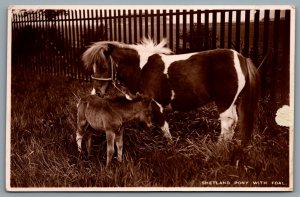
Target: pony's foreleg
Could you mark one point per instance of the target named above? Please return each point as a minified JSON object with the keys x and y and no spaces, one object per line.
{"x":159,"y":118}
{"x":229,"y":120}
{"x":110,"y":138}
{"x":119,"y":144}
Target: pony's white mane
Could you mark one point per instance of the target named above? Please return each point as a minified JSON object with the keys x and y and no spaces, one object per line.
{"x":147,"y":45}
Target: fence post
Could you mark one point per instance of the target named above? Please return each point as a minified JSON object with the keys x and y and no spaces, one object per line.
{"x":276,"y":68}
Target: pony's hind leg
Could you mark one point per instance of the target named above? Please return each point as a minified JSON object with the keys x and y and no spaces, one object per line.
{"x":119,"y":144}
{"x":110,"y":139}
{"x":229,"y":120}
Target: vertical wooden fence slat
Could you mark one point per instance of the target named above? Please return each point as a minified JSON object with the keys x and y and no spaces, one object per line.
{"x":152,"y":23}
{"x":171,"y":29}
{"x":91,"y":30}
{"x":55,"y":52}
{"x":238,"y":30}
{"x":115,"y":26}
{"x":63,"y":42}
{"x":276,"y":70}
{"x":100,"y":33}
{"x":229,"y":30}
{"x":158,"y":25}
{"x":177,"y":31}
{"x":19,"y":57}
{"x":141,"y":23}
{"x":124,"y":27}
{"x":95,"y":25}
{"x":119,"y":26}
{"x":24,"y":58}
{"x":14,"y":30}
{"x":191,"y":38}
{"x":247,"y":34}
{"x":106,"y":24}
{"x":164,"y":24}
{"x":256,"y":37}
{"x":265,"y":67}
{"x":28,"y":66}
{"x":214,"y":30}
{"x":199,"y":40}
{"x":35,"y":55}
{"x":77,"y":46}
{"x":266,"y":32}
{"x":73,"y":62}
{"x":206,"y":30}
{"x":129,"y":27}
{"x":275,"y":67}
{"x":135,"y":25}
{"x":70,"y":73}
{"x":58,"y":56}
{"x":81,"y":46}
{"x":63,"y":31}
{"x":285,"y":88}
{"x":32,"y":59}
{"x":222,"y":30}
{"x":85,"y":26}
{"x":48,"y":52}
{"x":110,"y":25}
{"x":146,"y":24}
{"x":42,"y":66}
{"x":184,"y":31}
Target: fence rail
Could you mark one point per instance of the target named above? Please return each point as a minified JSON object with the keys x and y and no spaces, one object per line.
{"x":52,"y":41}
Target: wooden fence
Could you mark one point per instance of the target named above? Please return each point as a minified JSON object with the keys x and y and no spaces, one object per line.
{"x":51,"y":41}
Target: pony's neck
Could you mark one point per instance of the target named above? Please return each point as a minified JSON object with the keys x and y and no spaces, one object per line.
{"x":129,"y":72}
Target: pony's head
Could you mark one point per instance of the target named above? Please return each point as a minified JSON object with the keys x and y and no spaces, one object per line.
{"x":98,"y":61}
{"x":110,"y":61}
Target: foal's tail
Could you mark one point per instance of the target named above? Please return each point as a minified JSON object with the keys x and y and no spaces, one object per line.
{"x":249,"y":101}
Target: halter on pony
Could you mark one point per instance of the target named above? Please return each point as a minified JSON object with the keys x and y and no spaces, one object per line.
{"x":112,"y":78}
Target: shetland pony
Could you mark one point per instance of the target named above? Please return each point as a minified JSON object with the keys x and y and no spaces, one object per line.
{"x":184,"y":82}
{"x":109,"y":115}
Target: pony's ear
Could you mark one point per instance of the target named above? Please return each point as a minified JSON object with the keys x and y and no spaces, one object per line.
{"x":108,"y":51}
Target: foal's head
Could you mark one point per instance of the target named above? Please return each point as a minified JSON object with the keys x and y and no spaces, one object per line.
{"x":142,"y":110}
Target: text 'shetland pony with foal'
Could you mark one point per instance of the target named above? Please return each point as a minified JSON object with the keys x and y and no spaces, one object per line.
{"x":182,"y":82}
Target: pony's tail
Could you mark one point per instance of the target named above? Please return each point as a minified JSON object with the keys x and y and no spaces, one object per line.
{"x":249,"y":101}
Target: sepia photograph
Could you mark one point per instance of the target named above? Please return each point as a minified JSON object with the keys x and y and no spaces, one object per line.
{"x":150,"y":98}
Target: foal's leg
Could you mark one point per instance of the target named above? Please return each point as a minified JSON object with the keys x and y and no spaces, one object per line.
{"x":229,"y":120}
{"x":119,"y":143}
{"x":159,"y":118}
{"x":81,"y":123}
{"x":110,"y":138}
{"x":81,"y":127}
{"x":89,"y":143}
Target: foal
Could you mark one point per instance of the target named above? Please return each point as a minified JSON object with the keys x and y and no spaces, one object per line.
{"x":108,"y":115}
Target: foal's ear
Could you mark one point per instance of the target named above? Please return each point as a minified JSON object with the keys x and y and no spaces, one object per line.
{"x":108,"y":51}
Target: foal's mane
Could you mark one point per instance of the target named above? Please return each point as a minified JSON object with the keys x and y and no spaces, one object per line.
{"x":95,"y":52}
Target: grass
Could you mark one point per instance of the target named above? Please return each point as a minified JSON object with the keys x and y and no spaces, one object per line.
{"x":44,"y":151}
